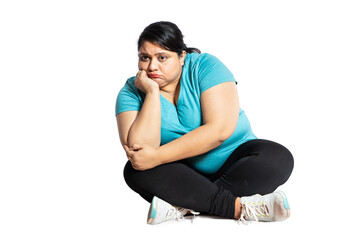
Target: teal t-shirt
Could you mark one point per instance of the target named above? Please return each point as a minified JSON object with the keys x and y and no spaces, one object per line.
{"x":200,"y":72}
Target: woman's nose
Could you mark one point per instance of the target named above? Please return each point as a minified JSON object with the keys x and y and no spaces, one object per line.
{"x":153,"y":65}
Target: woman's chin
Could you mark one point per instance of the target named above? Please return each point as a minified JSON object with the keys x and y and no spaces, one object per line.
{"x":159,"y":81}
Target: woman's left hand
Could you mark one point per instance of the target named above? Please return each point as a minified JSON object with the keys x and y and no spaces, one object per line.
{"x":142,"y":156}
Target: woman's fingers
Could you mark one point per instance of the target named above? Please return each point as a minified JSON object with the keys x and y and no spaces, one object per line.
{"x":128,"y":152}
{"x":136,"y":147}
{"x":126,"y":149}
{"x":129,"y":156}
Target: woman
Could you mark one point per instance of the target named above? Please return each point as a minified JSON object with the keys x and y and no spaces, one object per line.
{"x":188,"y":142}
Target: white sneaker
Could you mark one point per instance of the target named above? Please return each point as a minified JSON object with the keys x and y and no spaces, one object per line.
{"x":161,"y":211}
{"x":267,"y":208}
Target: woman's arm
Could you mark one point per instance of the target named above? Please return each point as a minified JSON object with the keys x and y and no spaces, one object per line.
{"x":194,"y":143}
{"x":147,"y":126}
{"x":220,"y":108}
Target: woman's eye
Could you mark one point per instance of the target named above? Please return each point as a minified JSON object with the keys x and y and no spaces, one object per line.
{"x":162,"y":58}
{"x":144,"y":58}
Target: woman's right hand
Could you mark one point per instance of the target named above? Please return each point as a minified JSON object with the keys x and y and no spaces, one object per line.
{"x":144,"y":83}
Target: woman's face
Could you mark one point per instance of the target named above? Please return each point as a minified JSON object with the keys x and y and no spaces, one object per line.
{"x":161,"y":65}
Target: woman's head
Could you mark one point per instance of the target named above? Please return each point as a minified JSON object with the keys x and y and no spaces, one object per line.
{"x":162,"y":52}
{"x":167,"y":35}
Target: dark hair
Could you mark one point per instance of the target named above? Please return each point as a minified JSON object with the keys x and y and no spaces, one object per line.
{"x":167,"y":35}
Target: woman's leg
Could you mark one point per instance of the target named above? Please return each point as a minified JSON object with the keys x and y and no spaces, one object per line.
{"x":255,"y":167}
{"x":180,"y":185}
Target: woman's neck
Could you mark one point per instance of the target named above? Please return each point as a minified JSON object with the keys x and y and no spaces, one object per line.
{"x":172,"y":94}
{"x":171,"y":89}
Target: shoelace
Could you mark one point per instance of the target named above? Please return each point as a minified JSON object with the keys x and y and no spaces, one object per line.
{"x":176,"y":213}
{"x":194,"y":214}
{"x":254,"y":210}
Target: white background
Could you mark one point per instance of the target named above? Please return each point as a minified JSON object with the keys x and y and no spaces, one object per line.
{"x":62,"y":64}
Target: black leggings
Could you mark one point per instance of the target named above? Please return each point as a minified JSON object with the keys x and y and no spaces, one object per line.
{"x":257,"y":166}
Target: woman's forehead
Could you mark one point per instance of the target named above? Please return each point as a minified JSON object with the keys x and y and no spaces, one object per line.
{"x":152,"y":48}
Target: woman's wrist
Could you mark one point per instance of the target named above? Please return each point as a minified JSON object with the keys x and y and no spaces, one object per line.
{"x":153,"y":90}
{"x":159,"y":156}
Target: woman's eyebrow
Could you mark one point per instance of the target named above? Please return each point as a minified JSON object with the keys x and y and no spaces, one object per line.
{"x":146,"y":54}
{"x":160,"y":53}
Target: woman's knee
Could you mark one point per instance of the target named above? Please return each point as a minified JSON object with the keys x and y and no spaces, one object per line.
{"x":277,"y":165}
{"x":287,"y":160}
{"x":274,"y":160}
{"x":284,"y":160}
{"x":136,"y":181}
{"x":129,"y":175}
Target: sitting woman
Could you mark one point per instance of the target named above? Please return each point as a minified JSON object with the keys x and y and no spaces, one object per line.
{"x":189,"y":144}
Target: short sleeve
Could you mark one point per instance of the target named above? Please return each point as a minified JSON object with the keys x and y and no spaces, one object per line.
{"x":211,"y":72}
{"x":129,"y":98}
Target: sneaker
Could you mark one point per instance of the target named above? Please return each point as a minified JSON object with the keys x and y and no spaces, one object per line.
{"x":161,"y":211}
{"x":267,"y":208}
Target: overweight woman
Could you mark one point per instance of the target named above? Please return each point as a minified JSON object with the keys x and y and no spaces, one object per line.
{"x":189,"y":144}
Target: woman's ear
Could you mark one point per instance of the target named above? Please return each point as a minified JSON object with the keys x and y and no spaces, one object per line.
{"x":182,"y":57}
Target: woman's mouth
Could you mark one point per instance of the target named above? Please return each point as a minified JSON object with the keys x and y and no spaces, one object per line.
{"x":153,"y":76}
